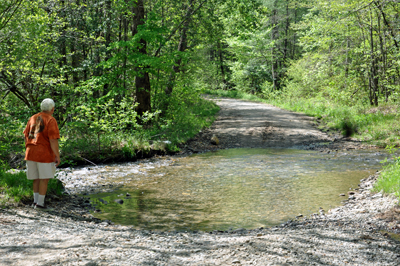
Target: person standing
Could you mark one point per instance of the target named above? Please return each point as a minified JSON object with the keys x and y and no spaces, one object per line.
{"x":42,"y":152}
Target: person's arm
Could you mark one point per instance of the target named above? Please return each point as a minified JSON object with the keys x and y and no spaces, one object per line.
{"x":54,"y":147}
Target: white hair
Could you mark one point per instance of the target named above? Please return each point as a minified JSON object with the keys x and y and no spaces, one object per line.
{"x":47,"y":104}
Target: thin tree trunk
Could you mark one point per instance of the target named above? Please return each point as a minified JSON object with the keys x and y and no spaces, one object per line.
{"x":273,"y":61}
{"x":221,"y":62}
{"x":181,"y":48}
{"x":373,"y":72}
{"x":294,"y":34}
{"x":107,"y":14}
{"x":63,"y":46}
{"x":125,"y":28}
{"x":75,"y":51}
{"x":286,"y":42}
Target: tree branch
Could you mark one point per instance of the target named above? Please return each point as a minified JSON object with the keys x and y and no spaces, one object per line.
{"x":387,"y":23}
{"x":3,"y":24}
{"x":13,"y":88}
{"x":178,"y":27}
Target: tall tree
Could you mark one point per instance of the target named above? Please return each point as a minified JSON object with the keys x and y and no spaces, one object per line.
{"x":142,"y":80}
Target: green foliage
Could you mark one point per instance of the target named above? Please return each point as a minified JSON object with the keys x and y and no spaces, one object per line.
{"x":28,"y":56}
{"x":114,"y":140}
{"x":389,"y":178}
{"x":347,"y":59}
{"x":187,"y":114}
{"x":12,"y":124}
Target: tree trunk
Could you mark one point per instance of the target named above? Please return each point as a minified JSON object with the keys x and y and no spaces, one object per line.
{"x":273,"y":60}
{"x":142,"y":80}
{"x":221,"y":62}
{"x":286,"y":42}
{"x":63,"y":46}
{"x":181,"y":48}
{"x":107,"y":11}
{"x":373,"y":81}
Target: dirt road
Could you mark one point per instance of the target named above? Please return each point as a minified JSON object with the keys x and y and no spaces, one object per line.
{"x":245,"y":124}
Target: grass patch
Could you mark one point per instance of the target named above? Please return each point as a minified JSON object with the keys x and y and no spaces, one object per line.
{"x":15,"y":186}
{"x":389,"y":179}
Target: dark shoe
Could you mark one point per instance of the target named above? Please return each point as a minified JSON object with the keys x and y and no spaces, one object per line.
{"x":43,"y":208}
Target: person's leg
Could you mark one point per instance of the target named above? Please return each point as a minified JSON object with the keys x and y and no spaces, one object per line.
{"x":46,"y":172}
{"x":36,"y":183}
{"x":42,"y":191}
{"x":32,"y":173}
{"x":43,"y":186}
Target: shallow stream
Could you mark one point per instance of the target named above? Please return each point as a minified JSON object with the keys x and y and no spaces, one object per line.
{"x":229,"y":189}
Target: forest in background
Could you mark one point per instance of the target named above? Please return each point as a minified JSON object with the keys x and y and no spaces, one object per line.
{"x":127,"y":75}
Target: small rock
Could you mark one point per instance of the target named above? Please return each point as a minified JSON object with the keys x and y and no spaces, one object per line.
{"x":379,"y":195}
{"x":103,"y":201}
{"x":236,"y":261}
{"x":196,"y":251}
{"x":214,"y":140}
{"x":119,"y":201}
{"x":240,"y":230}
